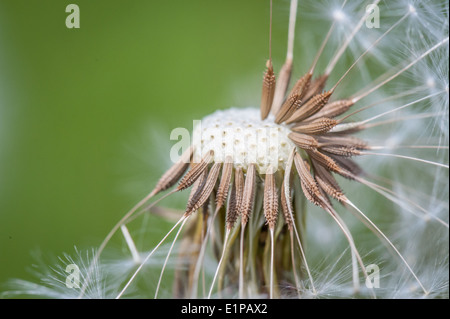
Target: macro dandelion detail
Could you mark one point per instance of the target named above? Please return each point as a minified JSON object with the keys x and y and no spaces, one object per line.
{"x":271,"y":189}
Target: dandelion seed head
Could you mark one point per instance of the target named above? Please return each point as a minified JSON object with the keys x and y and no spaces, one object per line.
{"x":241,"y":135}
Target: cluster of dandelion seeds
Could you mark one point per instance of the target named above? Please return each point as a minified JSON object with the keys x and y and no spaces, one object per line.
{"x":281,"y":197}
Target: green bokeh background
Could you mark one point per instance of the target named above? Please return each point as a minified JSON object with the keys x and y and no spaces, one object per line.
{"x":79,"y":108}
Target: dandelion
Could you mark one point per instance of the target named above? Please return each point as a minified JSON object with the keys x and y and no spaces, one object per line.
{"x":319,"y":146}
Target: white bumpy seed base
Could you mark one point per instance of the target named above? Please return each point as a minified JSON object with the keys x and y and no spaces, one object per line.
{"x":241,"y":136}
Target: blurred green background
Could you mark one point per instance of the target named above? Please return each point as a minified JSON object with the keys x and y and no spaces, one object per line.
{"x":85,"y":114}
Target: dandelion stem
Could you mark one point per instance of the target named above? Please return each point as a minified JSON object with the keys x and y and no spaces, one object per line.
{"x":130,"y":243}
{"x":270,"y":32}
{"x":108,"y":237}
{"x":388,"y":147}
{"x":324,"y":43}
{"x":287,"y":175}
{"x":182,"y":220}
{"x":167,"y":257}
{"x":406,"y":157}
{"x":362,"y":124}
{"x":286,"y":70}
{"x":291,"y":30}
{"x":379,"y":233}
{"x":344,"y":46}
{"x":271,"y":263}
{"x":294,"y":267}
{"x":234,"y":233}
{"x":376,"y":87}
{"x":350,"y":240}
{"x":225,"y":242}
{"x":400,"y":107}
{"x":241,"y":262}
{"x":322,"y":47}
{"x":389,"y":98}
{"x":415,"y":193}
{"x":202,"y":253}
{"x":375,"y":43}
{"x":405,"y":118}
{"x":399,"y":200}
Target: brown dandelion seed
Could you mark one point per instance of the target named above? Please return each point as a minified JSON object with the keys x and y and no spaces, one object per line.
{"x":174,"y":173}
{"x":207,"y":189}
{"x":294,"y":100}
{"x":235,"y":199}
{"x":327,"y":182}
{"x":232,"y":213}
{"x":324,"y":160}
{"x":319,"y":126}
{"x":349,"y":168}
{"x":338,"y":140}
{"x":248,"y":195}
{"x":316,"y":87}
{"x":292,"y":103}
{"x":268,"y":90}
{"x":282,"y":85}
{"x":303,"y":141}
{"x":309,"y":185}
{"x":302,"y":85}
{"x":333,"y":109}
{"x":310,"y":107}
{"x":310,"y":195}
{"x":224,"y":185}
{"x":346,"y":151}
{"x":196,"y":170}
{"x":196,"y":191}
{"x":286,"y":206}
{"x":270,"y":199}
